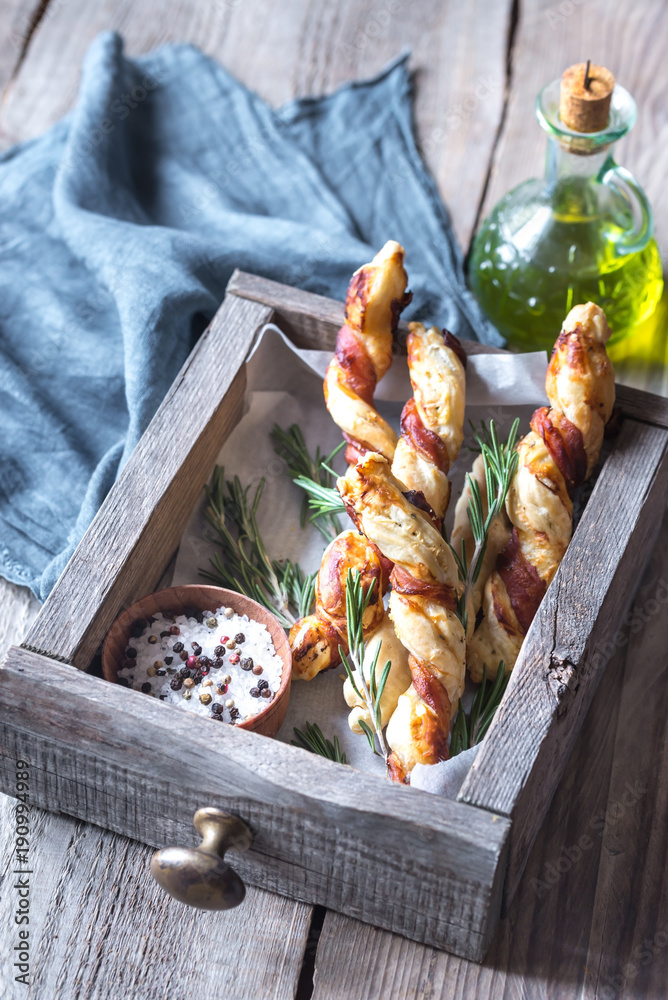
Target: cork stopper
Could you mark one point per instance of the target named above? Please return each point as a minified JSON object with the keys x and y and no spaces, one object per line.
{"x":586,"y":92}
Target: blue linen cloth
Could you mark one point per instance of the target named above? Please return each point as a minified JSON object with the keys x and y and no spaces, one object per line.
{"x":120,"y":228}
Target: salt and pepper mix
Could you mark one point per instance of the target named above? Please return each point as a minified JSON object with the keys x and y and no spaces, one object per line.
{"x":218,"y":664}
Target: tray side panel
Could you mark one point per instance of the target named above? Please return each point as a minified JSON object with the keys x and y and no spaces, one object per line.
{"x":570,"y":641}
{"x":425,"y":867}
{"x":134,"y":534}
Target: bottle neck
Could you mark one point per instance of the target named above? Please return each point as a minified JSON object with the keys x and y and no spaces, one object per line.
{"x":570,"y":177}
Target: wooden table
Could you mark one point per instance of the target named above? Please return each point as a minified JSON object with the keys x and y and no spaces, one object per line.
{"x":590,"y":919}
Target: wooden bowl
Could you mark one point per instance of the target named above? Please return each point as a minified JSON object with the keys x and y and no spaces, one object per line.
{"x":176,"y":599}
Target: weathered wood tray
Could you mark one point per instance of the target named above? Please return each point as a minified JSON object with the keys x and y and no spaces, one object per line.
{"x":434,"y":870}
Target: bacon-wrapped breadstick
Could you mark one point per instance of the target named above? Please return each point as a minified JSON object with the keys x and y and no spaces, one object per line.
{"x":425,"y":585}
{"x":315,"y":640}
{"x":376,"y":296}
{"x":557,"y":455}
{"x":432,"y":422}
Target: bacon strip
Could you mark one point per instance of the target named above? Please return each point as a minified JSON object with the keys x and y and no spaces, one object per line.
{"x":454,"y":344}
{"x":405,"y":583}
{"x":565,"y":443}
{"x":423,"y":440}
{"x":525,"y":587}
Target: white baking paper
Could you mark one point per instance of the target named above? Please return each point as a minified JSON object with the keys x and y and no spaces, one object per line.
{"x":284,"y":386}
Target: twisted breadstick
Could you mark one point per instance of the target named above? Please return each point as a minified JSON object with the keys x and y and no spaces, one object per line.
{"x":422,"y":603}
{"x":376,"y":296}
{"x":375,"y":299}
{"x":432,"y":429}
{"x":315,"y":640}
{"x":432,"y":422}
{"x":557,"y":455}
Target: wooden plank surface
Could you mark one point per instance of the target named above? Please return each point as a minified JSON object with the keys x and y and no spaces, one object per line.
{"x":545,"y":942}
{"x":306,"y":47}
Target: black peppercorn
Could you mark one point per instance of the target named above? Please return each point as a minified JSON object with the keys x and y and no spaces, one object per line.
{"x":216,"y":708}
{"x":197,"y":676}
{"x":262,"y":684}
{"x":177,"y":647}
{"x":176,"y":683}
{"x":246,"y":663}
{"x":196,"y":648}
{"x":184,"y":654}
{"x":240,"y":637}
{"x":234,"y":714}
{"x":131,"y":653}
{"x":169,"y":659}
{"x":204,"y":661}
{"x":218,"y":662}
{"x":146,"y":687}
{"x":123,"y":681}
{"x":254,"y":692}
{"x":163,"y":634}
{"x":174,"y":630}
{"x":219,"y":651}
{"x":161,"y":673}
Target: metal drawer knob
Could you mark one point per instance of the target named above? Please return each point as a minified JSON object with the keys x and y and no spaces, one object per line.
{"x":199,"y":876}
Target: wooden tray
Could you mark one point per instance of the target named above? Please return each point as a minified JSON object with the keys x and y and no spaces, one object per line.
{"x":435,"y":870}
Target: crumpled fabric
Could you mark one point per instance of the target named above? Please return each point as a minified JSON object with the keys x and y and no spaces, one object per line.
{"x":120,"y":227}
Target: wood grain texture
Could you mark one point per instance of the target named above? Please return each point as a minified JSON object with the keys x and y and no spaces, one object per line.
{"x":306,"y":47}
{"x":574,"y":632}
{"x":134,"y":534}
{"x":429,"y":868}
{"x":18,"y":20}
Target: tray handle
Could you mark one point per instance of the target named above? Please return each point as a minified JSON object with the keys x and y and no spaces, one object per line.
{"x":200,"y":876}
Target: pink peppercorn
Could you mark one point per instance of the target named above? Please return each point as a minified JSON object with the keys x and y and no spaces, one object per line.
{"x":192,"y":662}
{"x":224,"y":638}
{"x":234,"y":658}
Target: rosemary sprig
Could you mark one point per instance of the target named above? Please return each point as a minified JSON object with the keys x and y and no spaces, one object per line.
{"x":313,"y":740}
{"x":243,"y":563}
{"x":323,"y":501}
{"x":500,"y":462}
{"x":469,"y":730}
{"x":371,"y":693}
{"x":290,"y":445}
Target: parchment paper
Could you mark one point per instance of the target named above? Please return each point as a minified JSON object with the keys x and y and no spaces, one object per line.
{"x":285,"y":386}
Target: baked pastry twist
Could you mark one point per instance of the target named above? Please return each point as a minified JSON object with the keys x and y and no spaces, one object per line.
{"x":315,"y":639}
{"x":376,"y":296}
{"x":432,"y":422}
{"x":557,"y":455}
{"x":375,"y":299}
{"x":425,"y":586}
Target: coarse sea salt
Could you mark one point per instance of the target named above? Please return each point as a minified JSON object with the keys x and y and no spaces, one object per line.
{"x":257,"y":645}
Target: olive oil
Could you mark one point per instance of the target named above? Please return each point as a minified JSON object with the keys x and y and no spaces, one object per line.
{"x":582,"y":233}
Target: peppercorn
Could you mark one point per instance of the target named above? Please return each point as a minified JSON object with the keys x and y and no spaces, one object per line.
{"x":188,"y":682}
{"x":257,"y":669}
{"x":146,"y":687}
{"x":254,"y":692}
{"x":212,"y":622}
{"x":266,"y":693}
{"x":187,"y":694}
{"x":193,"y":663}
{"x":152,"y":639}
{"x":216,"y":708}
{"x":229,"y":703}
{"x":218,"y":662}
{"x":205,"y":661}
{"x":262,"y":684}
{"x":123,"y":681}
{"x":130,"y":653}
{"x":174,"y":630}
{"x":221,"y":689}
{"x":169,"y":660}
{"x":234,"y":714}
{"x":228,"y":612}
{"x":205,"y":698}
{"x":157,"y":664}
{"x":247,"y":663}
{"x":151,"y":672}
{"x":138,"y":627}
{"x":197,"y":676}
{"x":240,"y":637}
{"x":176,"y":683}
{"x":219,"y":651}
{"x":230,"y":644}
{"x":234,"y":658}
{"x":227,"y":679}
{"x":177,"y":647}
{"x":166,"y":633}
{"x":183,"y":654}
{"x":207,"y":682}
